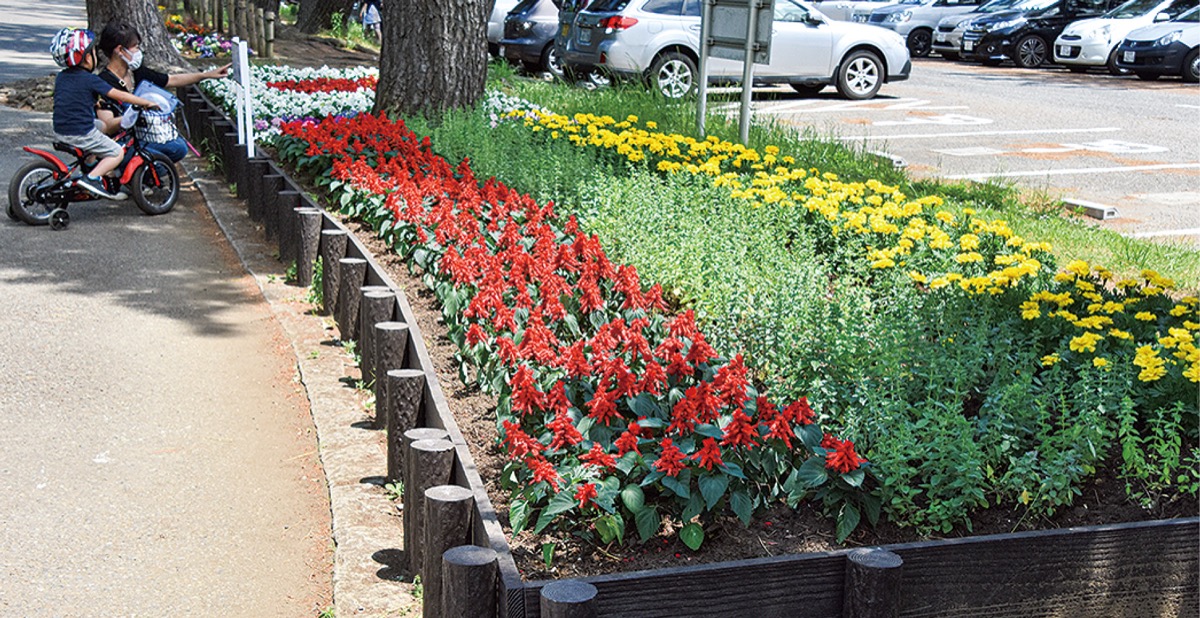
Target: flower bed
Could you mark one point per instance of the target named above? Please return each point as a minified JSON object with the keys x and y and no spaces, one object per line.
{"x":1031,"y":428}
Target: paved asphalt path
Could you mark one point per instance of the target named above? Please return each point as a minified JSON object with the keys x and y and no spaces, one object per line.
{"x":156,"y":456}
{"x":26,"y":27}
{"x":1116,"y":141}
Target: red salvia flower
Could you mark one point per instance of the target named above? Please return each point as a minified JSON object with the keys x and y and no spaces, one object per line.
{"x":525,"y":395}
{"x":475,"y":335}
{"x":709,"y":454}
{"x":800,"y":413}
{"x":841,"y":456}
{"x":628,"y":441}
{"x":603,"y":406}
{"x":597,"y":457}
{"x":731,"y":383}
{"x":776,"y":423}
{"x":740,"y":431}
{"x":585,"y":494}
{"x":564,"y":431}
{"x":518,"y":443}
{"x":542,"y":470}
{"x":670,"y":461}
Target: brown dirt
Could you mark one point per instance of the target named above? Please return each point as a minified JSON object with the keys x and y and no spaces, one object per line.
{"x":779,"y":531}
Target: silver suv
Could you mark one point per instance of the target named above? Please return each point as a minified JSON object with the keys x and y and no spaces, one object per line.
{"x":658,"y":40}
{"x":915,"y":20}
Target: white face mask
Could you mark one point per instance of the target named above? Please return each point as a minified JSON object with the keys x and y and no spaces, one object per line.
{"x":135,"y":60}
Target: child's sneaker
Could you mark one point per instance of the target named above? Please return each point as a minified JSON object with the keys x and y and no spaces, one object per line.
{"x":95,"y":187}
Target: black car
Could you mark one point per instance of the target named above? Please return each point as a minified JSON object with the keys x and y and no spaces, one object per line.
{"x":1166,"y":48}
{"x":1024,"y":35}
{"x":529,"y":31}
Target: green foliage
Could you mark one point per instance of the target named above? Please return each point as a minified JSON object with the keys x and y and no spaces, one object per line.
{"x":316,"y":290}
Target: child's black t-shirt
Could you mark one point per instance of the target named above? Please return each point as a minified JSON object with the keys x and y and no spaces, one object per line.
{"x":75,"y":93}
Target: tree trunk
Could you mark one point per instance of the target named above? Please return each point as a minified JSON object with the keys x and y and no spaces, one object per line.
{"x":434,"y":56}
{"x":160,"y":54}
{"x":314,"y":14}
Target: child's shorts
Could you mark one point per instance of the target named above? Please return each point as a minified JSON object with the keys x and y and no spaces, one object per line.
{"x":95,"y":143}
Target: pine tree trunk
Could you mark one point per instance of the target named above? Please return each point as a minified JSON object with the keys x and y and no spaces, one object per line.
{"x":314,"y":14}
{"x":434,"y":56}
{"x":160,"y":54}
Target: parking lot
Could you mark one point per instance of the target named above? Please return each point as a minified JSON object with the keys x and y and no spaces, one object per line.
{"x":1110,"y":141}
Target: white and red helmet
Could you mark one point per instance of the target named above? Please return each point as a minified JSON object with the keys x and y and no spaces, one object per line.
{"x":70,"y":46}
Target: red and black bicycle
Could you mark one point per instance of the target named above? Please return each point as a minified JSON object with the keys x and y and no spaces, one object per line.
{"x":41,"y":190}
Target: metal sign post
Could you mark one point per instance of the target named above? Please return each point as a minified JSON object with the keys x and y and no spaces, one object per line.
{"x":736,"y":30}
{"x":245,"y":105}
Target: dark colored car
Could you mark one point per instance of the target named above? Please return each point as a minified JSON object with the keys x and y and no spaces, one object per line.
{"x":1025,"y":36}
{"x":583,"y":66}
{"x":1166,"y":48}
{"x":529,"y":31}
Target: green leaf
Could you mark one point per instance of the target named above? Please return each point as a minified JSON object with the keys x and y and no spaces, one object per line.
{"x":518,"y":514}
{"x":712,"y":487}
{"x":611,"y":527}
{"x":810,"y":435}
{"x":548,"y":554}
{"x":562,"y":502}
{"x":644,"y":405}
{"x":742,"y":506}
{"x":694,"y":507}
{"x":733,"y":470}
{"x":710,"y":431}
{"x":692,"y":535}
{"x":648,"y":523}
{"x":626,"y":462}
{"x":633,"y":498}
{"x":812,"y":472}
{"x":871,"y":503}
{"x":677,"y":485}
{"x":847,"y":521}
{"x":854,"y":478}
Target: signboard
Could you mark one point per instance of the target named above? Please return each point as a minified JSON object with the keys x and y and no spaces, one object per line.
{"x":245,"y":102}
{"x":730,"y":22}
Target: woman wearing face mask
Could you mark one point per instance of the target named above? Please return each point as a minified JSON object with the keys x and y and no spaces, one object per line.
{"x":121,"y":43}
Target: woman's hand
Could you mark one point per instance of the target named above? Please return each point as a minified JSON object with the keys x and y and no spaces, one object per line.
{"x":218,"y":72}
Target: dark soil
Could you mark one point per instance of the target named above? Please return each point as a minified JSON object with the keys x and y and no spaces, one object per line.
{"x":779,"y":531}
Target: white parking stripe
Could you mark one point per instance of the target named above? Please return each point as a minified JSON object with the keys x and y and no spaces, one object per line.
{"x":1187,"y":106}
{"x":1081,"y":170}
{"x":1187,"y":232}
{"x":977,"y":133}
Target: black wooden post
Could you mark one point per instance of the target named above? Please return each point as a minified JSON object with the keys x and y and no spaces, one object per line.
{"x":309,"y":242}
{"x":568,"y":598}
{"x":400,"y":413}
{"x":428,"y":464}
{"x":285,"y":204}
{"x":256,"y":169}
{"x":391,"y":343}
{"x":333,"y":249}
{"x":469,"y":582}
{"x":872,"y":588}
{"x":229,"y":157}
{"x":353,"y":273}
{"x":267,"y":198}
{"x":378,"y":305}
{"x":447,"y":520}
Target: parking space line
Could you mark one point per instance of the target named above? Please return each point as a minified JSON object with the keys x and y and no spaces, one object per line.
{"x":1187,"y":106}
{"x":1079,"y":170}
{"x":977,"y":133}
{"x":1187,"y":232}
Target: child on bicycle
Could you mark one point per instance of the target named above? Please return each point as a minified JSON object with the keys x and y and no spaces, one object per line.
{"x":76,"y":91}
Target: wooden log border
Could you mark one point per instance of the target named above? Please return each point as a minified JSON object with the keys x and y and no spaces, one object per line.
{"x":1135,"y":569}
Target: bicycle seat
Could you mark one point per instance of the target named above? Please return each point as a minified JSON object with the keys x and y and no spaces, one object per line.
{"x":69,"y":149}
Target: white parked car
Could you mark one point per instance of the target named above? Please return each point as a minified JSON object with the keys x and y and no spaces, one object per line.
{"x":1093,"y":42}
{"x":844,"y":10}
{"x":659,"y":41}
{"x":915,"y":20}
{"x":1166,"y":48}
{"x":495,"y":25}
{"x":947,"y":37}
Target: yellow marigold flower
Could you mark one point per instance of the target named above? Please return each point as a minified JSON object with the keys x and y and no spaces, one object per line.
{"x":1168,"y":342}
{"x":1100,"y":362}
{"x":1030,"y":310}
{"x":1144,"y":316}
{"x":1190,"y":300}
{"x":944,"y":217}
{"x":1179,"y":310}
{"x":1192,"y":373}
{"x":1079,"y":267}
{"x":1050,"y":359}
{"x":1086,"y":286}
{"x":1181,"y":334}
{"x":968,"y":242}
{"x":1095,"y":322}
{"x":1188,"y":324}
{"x":938,"y":283}
{"x":1120,"y":334}
{"x":1153,"y":367}
{"x":918,"y":277}
{"x":883,"y":263}
{"x":969,"y":211}
{"x":650,"y":124}
{"x":1064,"y":278}
{"x":1085,"y":342}
{"x":968,"y":257}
